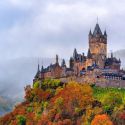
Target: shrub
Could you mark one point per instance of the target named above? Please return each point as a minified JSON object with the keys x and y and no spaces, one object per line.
{"x":59,"y":104}
{"x":21,"y":120}
{"x":41,"y":95}
{"x":110,"y":101}
{"x":44,"y":105}
{"x":30,"y":109}
{"x":36,"y":84}
{"x":51,"y":83}
{"x":29,"y":95}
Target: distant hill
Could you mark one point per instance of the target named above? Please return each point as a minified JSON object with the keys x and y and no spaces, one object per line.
{"x":6,"y":105}
{"x":14,"y":76}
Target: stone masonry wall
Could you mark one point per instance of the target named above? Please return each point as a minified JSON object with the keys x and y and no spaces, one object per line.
{"x":99,"y":82}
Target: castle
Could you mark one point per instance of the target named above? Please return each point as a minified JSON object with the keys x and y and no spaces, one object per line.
{"x":96,"y":60}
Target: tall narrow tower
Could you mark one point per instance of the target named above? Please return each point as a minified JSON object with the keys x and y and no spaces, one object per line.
{"x":98,"y":45}
{"x":57,"y":59}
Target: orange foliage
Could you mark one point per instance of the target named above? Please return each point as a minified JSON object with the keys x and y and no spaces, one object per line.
{"x":67,"y":107}
{"x":41,"y":95}
{"x":64,"y":122}
{"x":101,"y":120}
{"x":73,"y":96}
{"x":36,"y":94}
{"x":30,"y":115}
{"x":44,"y":120}
{"x":29,"y":123}
{"x":29,"y":95}
{"x":6,"y":119}
{"x":67,"y":122}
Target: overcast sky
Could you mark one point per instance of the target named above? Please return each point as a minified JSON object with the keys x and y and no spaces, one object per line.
{"x":44,"y":28}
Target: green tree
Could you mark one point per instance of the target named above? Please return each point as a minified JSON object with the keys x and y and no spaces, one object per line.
{"x":111,"y":100}
{"x":36,"y":84}
{"x":21,"y":120}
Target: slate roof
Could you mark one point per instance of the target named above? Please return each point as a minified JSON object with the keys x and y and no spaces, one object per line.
{"x":97,"y":30}
{"x":110,"y":61}
{"x":49,"y":68}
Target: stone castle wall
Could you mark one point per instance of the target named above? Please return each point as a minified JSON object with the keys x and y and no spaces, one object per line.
{"x":99,"y":82}
{"x":112,"y":83}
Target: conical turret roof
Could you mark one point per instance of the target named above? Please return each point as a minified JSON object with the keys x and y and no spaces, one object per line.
{"x":97,"y":30}
{"x":89,"y":55}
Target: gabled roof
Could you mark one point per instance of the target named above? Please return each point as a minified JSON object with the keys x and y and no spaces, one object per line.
{"x":50,"y":67}
{"x":110,"y":61}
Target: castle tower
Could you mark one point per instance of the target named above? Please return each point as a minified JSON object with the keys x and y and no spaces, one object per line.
{"x":71,"y":62}
{"x":98,"y":45}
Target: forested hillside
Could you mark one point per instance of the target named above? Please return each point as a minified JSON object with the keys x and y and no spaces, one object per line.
{"x":56,"y":103}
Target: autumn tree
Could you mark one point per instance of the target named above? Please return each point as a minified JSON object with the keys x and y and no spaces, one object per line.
{"x":101,"y":120}
{"x":72,"y":100}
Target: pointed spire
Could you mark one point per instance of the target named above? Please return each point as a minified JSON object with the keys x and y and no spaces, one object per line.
{"x":38,"y":68}
{"x":105,"y":34}
{"x":90,"y":33}
{"x":89,"y":55}
{"x":97,"y":30}
{"x":75,"y":53}
{"x":42,"y":68}
{"x":63,"y":63}
{"x":38,"y":72}
{"x":57,"y":59}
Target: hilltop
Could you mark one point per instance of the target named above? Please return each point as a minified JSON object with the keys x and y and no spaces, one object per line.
{"x":56,"y":103}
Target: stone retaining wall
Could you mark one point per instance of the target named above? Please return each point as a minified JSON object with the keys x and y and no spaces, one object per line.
{"x":102,"y":82}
